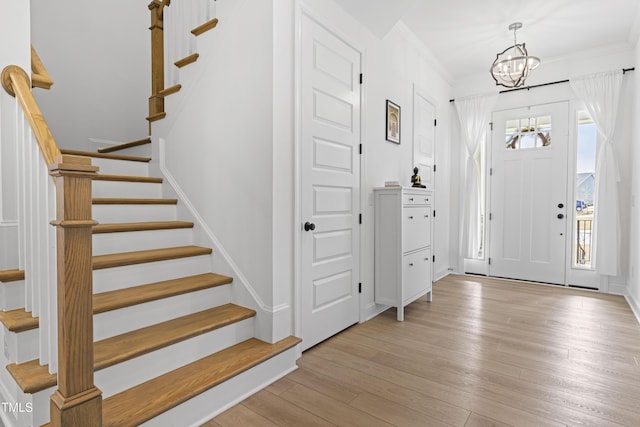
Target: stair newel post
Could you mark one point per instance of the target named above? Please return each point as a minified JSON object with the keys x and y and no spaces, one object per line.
{"x":156,"y":100}
{"x":77,"y":401}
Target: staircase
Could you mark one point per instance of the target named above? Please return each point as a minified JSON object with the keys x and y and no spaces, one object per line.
{"x":170,"y":348}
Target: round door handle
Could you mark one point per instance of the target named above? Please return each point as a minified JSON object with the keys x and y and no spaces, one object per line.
{"x":560,"y":216}
{"x":309,"y":226}
{"x":560,"y":205}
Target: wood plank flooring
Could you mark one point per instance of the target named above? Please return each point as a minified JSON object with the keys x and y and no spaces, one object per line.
{"x":485,"y":352}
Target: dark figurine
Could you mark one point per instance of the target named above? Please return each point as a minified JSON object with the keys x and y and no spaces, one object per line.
{"x":415,"y":179}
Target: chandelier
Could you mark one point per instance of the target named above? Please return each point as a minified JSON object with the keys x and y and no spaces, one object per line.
{"x":512,"y":66}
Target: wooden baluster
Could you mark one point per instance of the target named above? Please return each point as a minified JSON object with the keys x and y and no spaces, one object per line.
{"x":77,"y":401}
{"x":156,"y":100}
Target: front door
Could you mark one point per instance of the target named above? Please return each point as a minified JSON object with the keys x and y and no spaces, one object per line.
{"x":529,"y":204}
{"x":330,"y":183}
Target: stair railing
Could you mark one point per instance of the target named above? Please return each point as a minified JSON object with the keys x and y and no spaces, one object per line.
{"x":173,"y":38}
{"x":57,"y":260}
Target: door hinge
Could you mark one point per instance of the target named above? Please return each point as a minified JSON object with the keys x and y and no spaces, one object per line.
{"x":490,"y":216}
{"x":489,"y":260}
{"x":360,"y":288}
{"x":360,"y":148}
{"x":434,"y":258}
{"x":359,"y":218}
{"x":434,"y":213}
{"x":360,"y":78}
{"x":435,"y":122}
{"x":434,"y":168}
{"x":490,"y":171}
{"x":491,"y":125}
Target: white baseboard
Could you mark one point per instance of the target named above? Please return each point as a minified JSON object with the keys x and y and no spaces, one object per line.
{"x":634,"y":304}
{"x":617,"y":289}
{"x":441,"y":274}
{"x":374,"y":310}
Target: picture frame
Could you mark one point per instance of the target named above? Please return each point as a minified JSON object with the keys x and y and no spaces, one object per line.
{"x":392,"y":122}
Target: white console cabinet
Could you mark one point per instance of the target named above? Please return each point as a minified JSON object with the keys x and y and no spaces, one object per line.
{"x":402,"y":246}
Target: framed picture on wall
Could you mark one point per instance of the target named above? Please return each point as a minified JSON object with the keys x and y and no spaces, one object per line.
{"x":393,"y":122}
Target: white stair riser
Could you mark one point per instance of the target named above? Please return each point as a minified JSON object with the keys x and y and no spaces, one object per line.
{"x":12,"y":294}
{"x":107,"y":214}
{"x":125,"y":375}
{"x":20,"y":346}
{"x":203,"y":407}
{"x":127,"y":319}
{"x":121,"y":167}
{"x":126,"y":189}
{"x":109,"y":279}
{"x":25,"y":409}
{"x":108,"y":243}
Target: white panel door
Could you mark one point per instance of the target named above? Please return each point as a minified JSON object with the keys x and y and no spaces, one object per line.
{"x":424,"y":137}
{"x":529,"y":204}
{"x":330,"y":183}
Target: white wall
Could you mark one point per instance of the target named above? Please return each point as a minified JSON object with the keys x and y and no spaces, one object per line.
{"x":98,"y":56}
{"x":14,"y":50}
{"x":219,"y":139}
{"x":633,"y":282}
{"x":617,"y":57}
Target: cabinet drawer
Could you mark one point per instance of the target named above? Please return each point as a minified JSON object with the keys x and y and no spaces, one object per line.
{"x":416,"y":275}
{"x":409,"y":199}
{"x":416,"y":228}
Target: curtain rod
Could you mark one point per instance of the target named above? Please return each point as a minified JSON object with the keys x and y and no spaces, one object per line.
{"x":624,"y":71}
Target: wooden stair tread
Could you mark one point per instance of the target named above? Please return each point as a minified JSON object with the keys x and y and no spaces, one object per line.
{"x":201,"y":29}
{"x":31,"y":377}
{"x":140,"y":226}
{"x":150,"y":399}
{"x":151,"y":255}
{"x":187,"y":60}
{"x":11,"y":275}
{"x":132,"y":201}
{"x":171,"y":90}
{"x":125,"y":145}
{"x":18,"y":320}
{"x":121,"y":298}
{"x":107,"y":156}
{"x":156,"y":116}
{"x":126,"y":178}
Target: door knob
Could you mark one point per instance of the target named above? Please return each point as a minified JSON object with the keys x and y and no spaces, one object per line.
{"x":560,"y":216}
{"x":560,"y":205}
{"x":309,"y":226}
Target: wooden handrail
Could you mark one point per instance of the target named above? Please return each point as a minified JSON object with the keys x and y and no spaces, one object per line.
{"x":16,"y":82}
{"x":39,"y":75}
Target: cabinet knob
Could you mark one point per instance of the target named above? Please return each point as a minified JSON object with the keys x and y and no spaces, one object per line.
{"x":410,"y":264}
{"x":411,"y":217}
{"x":411,"y":199}
{"x":426,"y":216}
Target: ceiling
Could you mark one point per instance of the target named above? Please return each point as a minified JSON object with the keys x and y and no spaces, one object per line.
{"x":466,"y":35}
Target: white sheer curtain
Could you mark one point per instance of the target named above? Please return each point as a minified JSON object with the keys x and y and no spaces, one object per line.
{"x":474,"y":114}
{"x":601,"y":95}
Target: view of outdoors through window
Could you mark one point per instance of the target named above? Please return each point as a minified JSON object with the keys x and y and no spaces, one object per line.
{"x":584,"y":189}
{"x":531,"y":132}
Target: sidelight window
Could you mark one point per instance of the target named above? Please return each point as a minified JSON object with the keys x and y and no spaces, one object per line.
{"x":584,"y":190}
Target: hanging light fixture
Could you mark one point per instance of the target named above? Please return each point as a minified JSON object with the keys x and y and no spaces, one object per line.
{"x":512,"y":66}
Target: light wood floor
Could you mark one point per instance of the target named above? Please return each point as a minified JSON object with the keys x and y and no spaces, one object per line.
{"x":485,"y":352}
